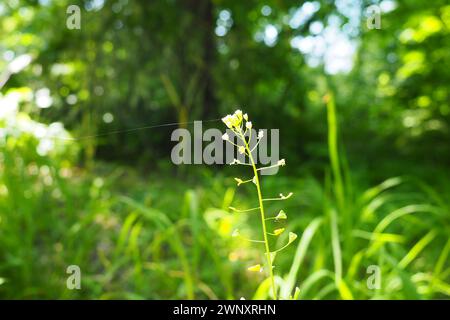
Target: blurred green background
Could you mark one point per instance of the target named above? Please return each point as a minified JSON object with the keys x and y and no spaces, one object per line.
{"x":79,"y":186}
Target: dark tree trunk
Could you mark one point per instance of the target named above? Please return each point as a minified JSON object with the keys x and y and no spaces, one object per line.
{"x":209,"y":99}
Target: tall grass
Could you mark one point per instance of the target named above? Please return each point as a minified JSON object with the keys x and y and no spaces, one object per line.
{"x":356,"y":214}
{"x":153,"y":236}
{"x":372,"y":227}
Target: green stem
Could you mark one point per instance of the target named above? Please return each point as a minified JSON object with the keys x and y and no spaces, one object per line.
{"x":263,"y":219}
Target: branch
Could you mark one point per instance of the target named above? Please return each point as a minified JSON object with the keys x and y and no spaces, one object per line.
{"x":282,"y":197}
{"x":247,"y":210}
{"x":280,"y":163}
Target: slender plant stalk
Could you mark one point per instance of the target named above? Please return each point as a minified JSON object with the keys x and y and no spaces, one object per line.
{"x":263,"y":220}
{"x":236,"y":123}
{"x":333,"y":150}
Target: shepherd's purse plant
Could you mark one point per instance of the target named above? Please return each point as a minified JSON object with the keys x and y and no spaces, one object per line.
{"x":240,"y":125}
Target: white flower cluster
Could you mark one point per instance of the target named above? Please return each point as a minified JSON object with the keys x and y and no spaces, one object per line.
{"x":234,"y":121}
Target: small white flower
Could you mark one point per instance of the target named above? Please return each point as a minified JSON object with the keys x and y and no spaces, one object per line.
{"x":281,"y":162}
{"x":241,"y":149}
{"x":233,"y":121}
{"x":235,"y":161}
{"x":225,"y":137}
{"x":248,"y":124}
{"x":227,"y":120}
{"x":260,"y":134}
{"x":246,"y":117}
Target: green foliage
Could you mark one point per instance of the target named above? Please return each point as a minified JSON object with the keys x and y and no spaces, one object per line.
{"x":368,"y":163}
